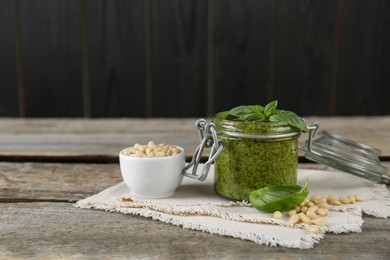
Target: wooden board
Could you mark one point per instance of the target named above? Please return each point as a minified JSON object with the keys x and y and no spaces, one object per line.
{"x":100,"y":140}
{"x":364,"y":81}
{"x":242,"y":41}
{"x":51,"y":57}
{"x":38,"y":220}
{"x":116,"y":58}
{"x":178,"y":58}
{"x":304,"y":56}
{"x":55,"y":182}
{"x":8,"y":67}
{"x":52,"y":230}
{"x":65,"y":182}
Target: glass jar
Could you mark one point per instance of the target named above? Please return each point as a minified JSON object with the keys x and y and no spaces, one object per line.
{"x":257,"y":154}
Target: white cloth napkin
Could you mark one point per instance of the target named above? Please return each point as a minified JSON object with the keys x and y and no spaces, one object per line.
{"x":196,"y":206}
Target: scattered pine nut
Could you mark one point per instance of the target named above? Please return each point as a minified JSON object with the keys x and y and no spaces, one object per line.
{"x":315,"y":210}
{"x":335,"y":202}
{"x":321,"y":221}
{"x":351,"y":198}
{"x":345,"y":200}
{"x":278,"y":215}
{"x":313,"y":229}
{"x":322,"y":212}
{"x":358,"y":198}
{"x":332,"y":197}
{"x":304,"y":209}
{"x":322,"y":205}
{"x":292,"y":212}
{"x":309,"y":204}
{"x":311,"y":215}
{"x":313,"y":198}
{"x":294,"y":219}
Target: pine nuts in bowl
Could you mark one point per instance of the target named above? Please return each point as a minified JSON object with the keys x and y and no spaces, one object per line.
{"x":152,"y":170}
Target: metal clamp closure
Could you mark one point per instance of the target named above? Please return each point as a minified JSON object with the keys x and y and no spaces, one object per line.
{"x":313,"y":129}
{"x":208,"y":139}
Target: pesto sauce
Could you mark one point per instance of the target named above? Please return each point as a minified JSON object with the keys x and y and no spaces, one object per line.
{"x":248,"y":164}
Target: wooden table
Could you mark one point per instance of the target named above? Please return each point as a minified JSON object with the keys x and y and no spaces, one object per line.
{"x":48,"y":164}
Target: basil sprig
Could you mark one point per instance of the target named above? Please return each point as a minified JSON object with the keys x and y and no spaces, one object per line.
{"x":278,"y":197}
{"x":269,"y":113}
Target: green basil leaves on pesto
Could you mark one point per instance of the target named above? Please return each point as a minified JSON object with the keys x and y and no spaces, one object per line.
{"x":269,"y":113}
{"x":278,"y":197}
{"x":260,"y":150}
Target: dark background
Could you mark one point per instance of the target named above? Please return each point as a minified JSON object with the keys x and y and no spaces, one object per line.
{"x":190,"y":58}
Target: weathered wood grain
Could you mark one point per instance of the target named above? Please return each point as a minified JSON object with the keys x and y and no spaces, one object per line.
{"x":8,"y":74}
{"x":66,"y":182}
{"x":100,"y":140}
{"x":37,"y":221}
{"x":51,"y":57}
{"x":363,"y":85}
{"x":304,"y":52}
{"x":242,"y":42}
{"x":178,"y":58}
{"x":54,"y":181}
{"x":58,"y":230}
{"x":116,"y":55}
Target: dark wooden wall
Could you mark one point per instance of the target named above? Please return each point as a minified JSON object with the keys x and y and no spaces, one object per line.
{"x":192,"y":58}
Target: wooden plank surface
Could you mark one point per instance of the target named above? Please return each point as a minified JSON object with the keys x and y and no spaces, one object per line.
{"x":47,"y":225}
{"x":178,"y":58}
{"x":54,"y":181}
{"x":44,"y":230}
{"x":100,"y":140}
{"x":8,"y":74}
{"x":304,"y":52}
{"x":116,"y":58}
{"x":363,"y":85}
{"x":51,"y":57}
{"x":242,"y":41}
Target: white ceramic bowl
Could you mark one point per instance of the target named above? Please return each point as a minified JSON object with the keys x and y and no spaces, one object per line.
{"x":152,"y":178}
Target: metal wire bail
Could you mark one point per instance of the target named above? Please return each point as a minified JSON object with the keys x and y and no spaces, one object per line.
{"x":208,"y":139}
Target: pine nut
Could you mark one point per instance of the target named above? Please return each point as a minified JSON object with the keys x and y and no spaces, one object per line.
{"x":151,"y":149}
{"x":306,"y":220}
{"x":321,"y":221}
{"x":313,"y":208}
{"x":319,"y":200}
{"x":301,"y":216}
{"x":322,"y":205}
{"x":345,"y":200}
{"x":331,"y":197}
{"x":313,"y":229}
{"x":292,"y":212}
{"x":358,"y":198}
{"x":278,"y":215}
{"x":309,"y":204}
{"x":304,"y":209}
{"x":311,"y":214}
{"x":322,"y":212}
{"x":334,"y":202}
{"x":351,"y":198}
{"x":313,"y":198}
{"x":142,"y":148}
{"x":294,"y":219}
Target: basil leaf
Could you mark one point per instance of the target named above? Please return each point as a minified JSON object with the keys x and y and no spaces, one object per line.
{"x":268,"y":113}
{"x":278,"y":197}
{"x":247,"y":113}
{"x":270,"y":108}
{"x":289,"y":117}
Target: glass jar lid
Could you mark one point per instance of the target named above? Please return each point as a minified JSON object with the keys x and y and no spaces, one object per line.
{"x":346,"y":155}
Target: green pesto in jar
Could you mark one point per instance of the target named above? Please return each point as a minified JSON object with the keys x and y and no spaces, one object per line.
{"x":257,"y":154}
